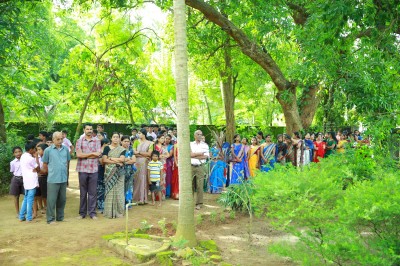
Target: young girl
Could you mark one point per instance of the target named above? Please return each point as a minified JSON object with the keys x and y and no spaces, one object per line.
{"x":17,"y":186}
{"x":155,"y":170}
{"x":42,"y":199}
{"x":254,"y":161}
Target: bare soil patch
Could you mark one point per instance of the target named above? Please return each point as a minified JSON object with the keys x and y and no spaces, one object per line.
{"x":79,"y":242}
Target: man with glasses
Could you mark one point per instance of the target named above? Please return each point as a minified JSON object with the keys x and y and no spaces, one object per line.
{"x":56,"y":163}
{"x":199,"y":154}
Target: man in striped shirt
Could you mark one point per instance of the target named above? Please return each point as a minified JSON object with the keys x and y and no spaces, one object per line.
{"x":88,"y":151}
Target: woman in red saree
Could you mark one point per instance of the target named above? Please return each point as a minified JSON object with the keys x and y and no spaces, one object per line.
{"x":175,"y":175}
{"x":319,"y":148}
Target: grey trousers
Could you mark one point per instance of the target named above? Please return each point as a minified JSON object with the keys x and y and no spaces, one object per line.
{"x":88,"y":193}
{"x":56,"y":199}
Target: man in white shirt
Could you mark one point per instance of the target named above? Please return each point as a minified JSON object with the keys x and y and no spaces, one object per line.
{"x":199,"y":154}
{"x":150,"y":132}
{"x":29,"y":169}
{"x":67,"y":142}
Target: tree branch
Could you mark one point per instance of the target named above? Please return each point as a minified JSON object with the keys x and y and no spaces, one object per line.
{"x":247,"y":46}
{"x":135,"y":35}
{"x":300,"y":14}
{"x":76,"y":39}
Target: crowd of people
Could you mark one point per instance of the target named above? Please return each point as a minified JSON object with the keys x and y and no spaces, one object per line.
{"x":233,"y":163}
{"x":113,"y":171}
{"x":117,"y":170}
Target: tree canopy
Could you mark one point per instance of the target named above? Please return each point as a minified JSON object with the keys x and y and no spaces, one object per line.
{"x":313,"y":62}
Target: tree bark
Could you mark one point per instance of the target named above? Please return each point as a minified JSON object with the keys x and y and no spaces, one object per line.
{"x":3,"y":134}
{"x":208,"y":108}
{"x":288,"y":101}
{"x":185,"y":228}
{"x":228,"y":93}
{"x":309,"y":102}
{"x":286,"y":89}
{"x":78,"y":131}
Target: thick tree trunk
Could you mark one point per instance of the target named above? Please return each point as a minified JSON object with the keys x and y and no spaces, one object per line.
{"x":249,"y":47}
{"x":328,"y":105}
{"x":308,"y":105}
{"x":3,"y":134}
{"x":228,"y":93}
{"x":208,"y":108}
{"x":290,"y":109}
{"x":185,"y":228}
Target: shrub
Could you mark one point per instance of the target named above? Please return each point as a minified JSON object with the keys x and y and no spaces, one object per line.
{"x":6,"y":156}
{"x":344,"y":210}
{"x":237,"y":197}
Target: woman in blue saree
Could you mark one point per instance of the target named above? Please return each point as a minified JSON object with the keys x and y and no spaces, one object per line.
{"x":308,"y":149}
{"x":237,"y":164}
{"x":268,"y":154}
{"x":217,"y":171}
{"x":130,"y":168}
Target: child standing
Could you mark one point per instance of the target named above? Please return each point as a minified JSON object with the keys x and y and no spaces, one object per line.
{"x":155,"y":170}
{"x":42,"y":177}
{"x":29,"y":168}
{"x":17,"y":186}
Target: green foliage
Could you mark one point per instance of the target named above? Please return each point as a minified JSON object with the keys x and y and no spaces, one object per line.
{"x":199,"y":219}
{"x":344,"y":210}
{"x":213,"y":217}
{"x":6,"y":156}
{"x":145,"y":226}
{"x":162,"y":224}
{"x":222,"y":217}
{"x":179,"y":243}
{"x":238,"y":197}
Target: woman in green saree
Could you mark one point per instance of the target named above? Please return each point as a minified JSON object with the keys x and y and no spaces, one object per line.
{"x":114,"y":178}
{"x":331,"y":144}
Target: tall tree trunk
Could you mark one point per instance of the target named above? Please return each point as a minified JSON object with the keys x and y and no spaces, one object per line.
{"x":228,"y":93}
{"x":78,"y":130}
{"x":185,"y":228}
{"x":208,"y":108}
{"x":131,"y":114}
{"x":3,"y":134}
{"x":127,"y":101}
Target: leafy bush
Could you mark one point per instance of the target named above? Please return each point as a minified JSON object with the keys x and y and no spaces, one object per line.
{"x":237,"y":197}
{"x":344,"y":210}
{"x":6,"y":156}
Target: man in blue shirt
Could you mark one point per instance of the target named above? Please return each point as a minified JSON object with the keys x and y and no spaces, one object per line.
{"x":56,"y":162}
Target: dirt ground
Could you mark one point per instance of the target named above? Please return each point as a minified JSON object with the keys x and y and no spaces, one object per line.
{"x":78,"y":242}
